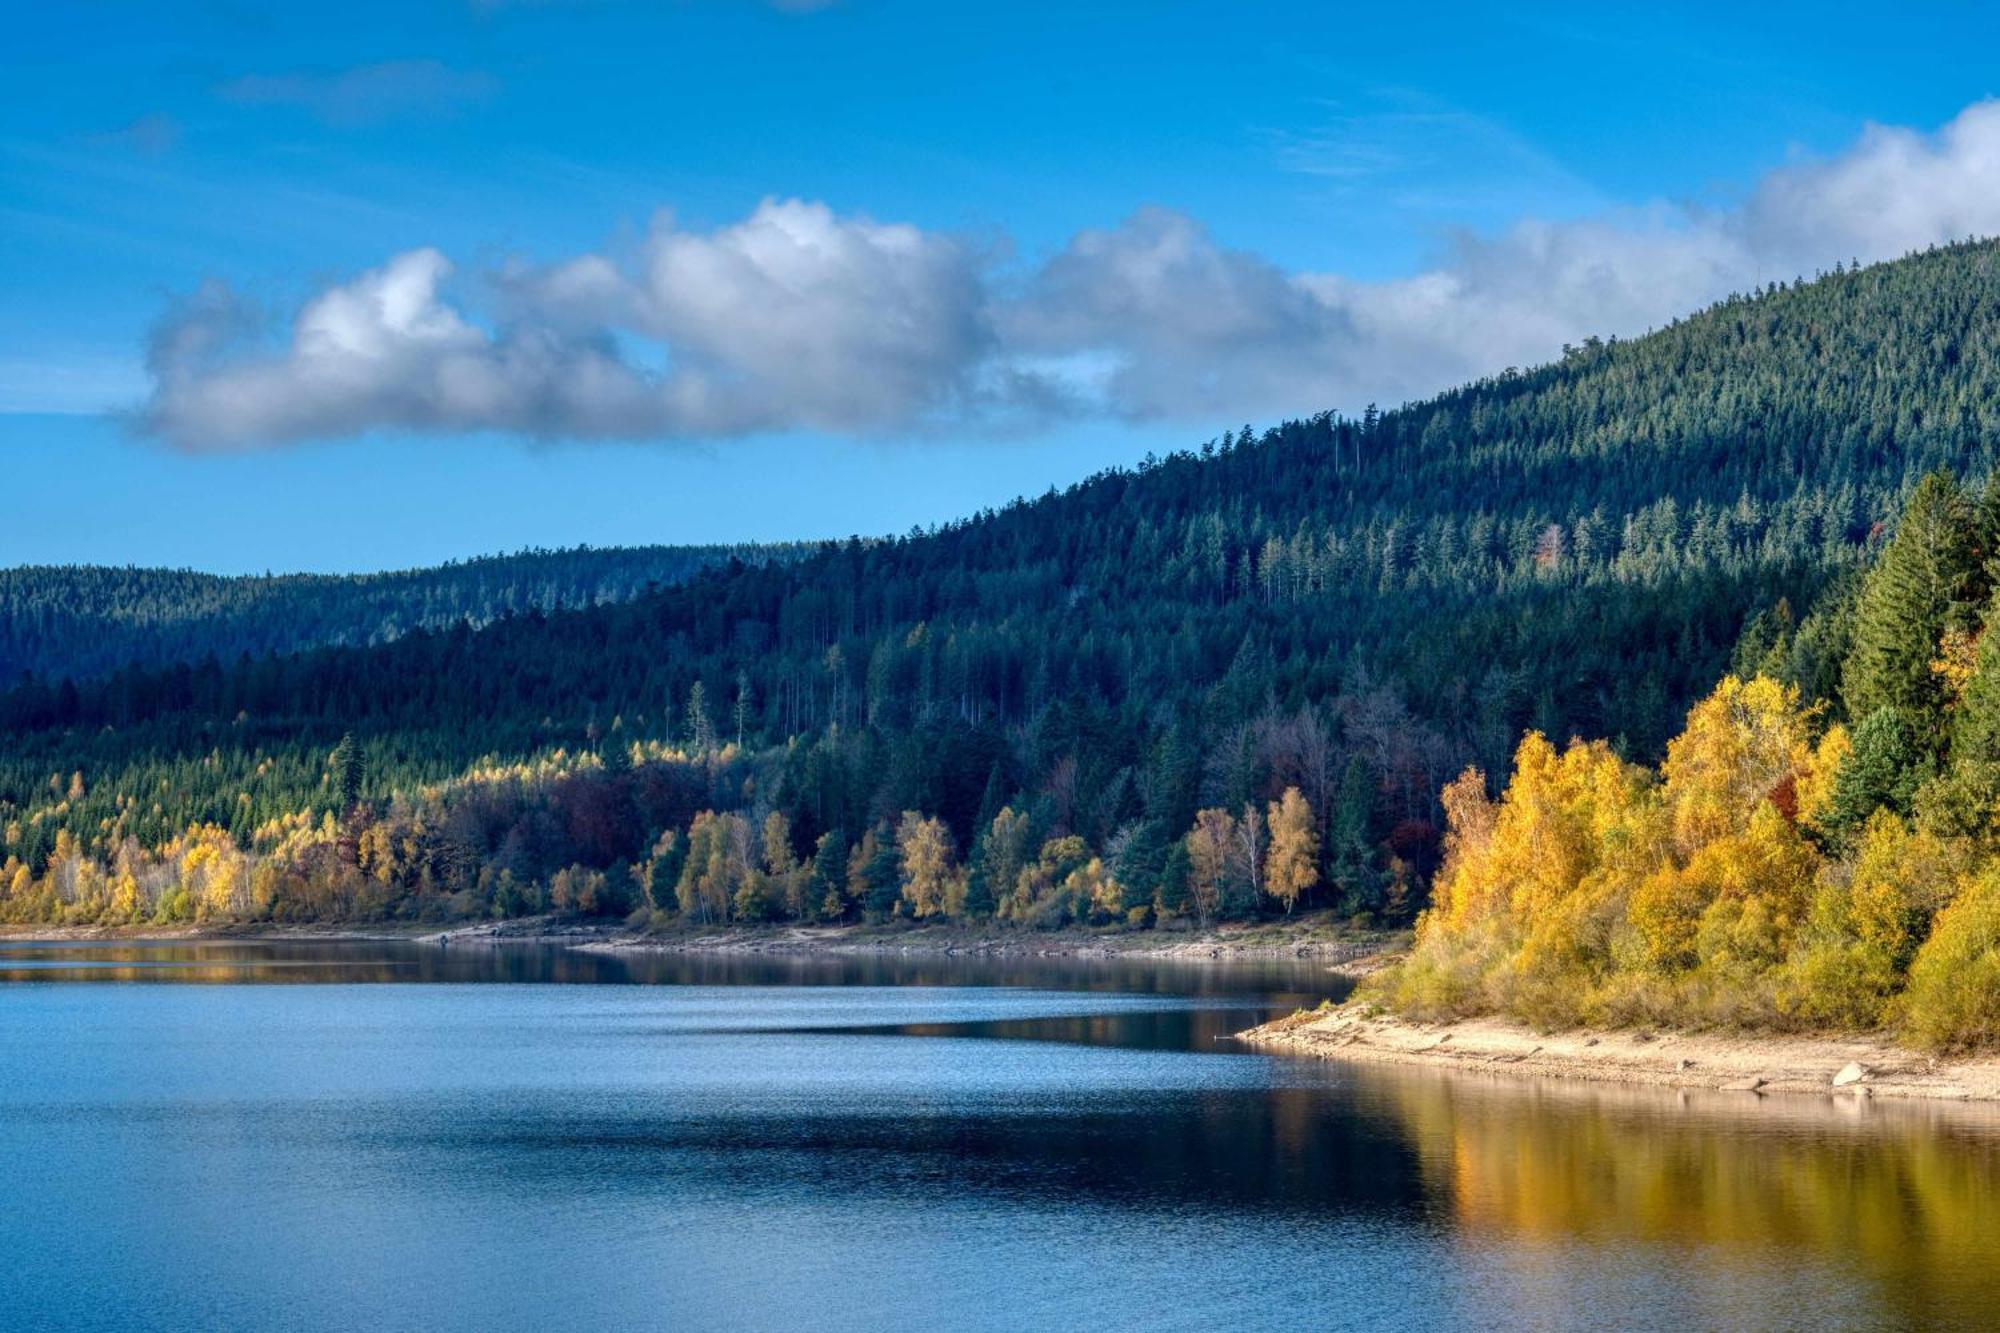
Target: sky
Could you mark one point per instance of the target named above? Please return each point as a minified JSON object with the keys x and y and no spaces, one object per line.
{"x":370,"y":286}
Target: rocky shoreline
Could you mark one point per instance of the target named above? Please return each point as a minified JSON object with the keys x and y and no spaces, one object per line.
{"x":1752,"y":1064}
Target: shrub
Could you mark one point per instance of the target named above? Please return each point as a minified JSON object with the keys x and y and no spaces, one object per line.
{"x":1953,"y":999}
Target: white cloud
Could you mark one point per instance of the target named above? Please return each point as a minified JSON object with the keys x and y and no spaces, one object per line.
{"x":800,"y":319}
{"x":791,"y":319}
{"x":1191,"y":328}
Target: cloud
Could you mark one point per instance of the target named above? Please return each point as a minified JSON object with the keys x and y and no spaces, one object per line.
{"x":791,"y":319}
{"x":1188,"y":328}
{"x":365,"y":94}
{"x":797,"y":318}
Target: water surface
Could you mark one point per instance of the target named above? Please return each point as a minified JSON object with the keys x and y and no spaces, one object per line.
{"x":397,"y":1136}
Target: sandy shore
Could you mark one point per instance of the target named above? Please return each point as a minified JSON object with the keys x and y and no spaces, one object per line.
{"x":1344,"y":950}
{"x":1745,"y":1063}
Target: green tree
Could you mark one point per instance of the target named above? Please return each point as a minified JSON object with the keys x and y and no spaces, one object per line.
{"x":827,"y":892}
{"x":1350,"y":846}
{"x":1882,"y":771}
{"x":1915,"y":592}
{"x":1002,"y":855}
{"x":1173,"y":896}
{"x":350,"y":771}
{"x":1966,"y":800}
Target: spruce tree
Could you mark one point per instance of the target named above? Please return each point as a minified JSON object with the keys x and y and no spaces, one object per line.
{"x":884,"y":876}
{"x":1916,"y":591}
{"x":349,"y":772}
{"x":1175,"y":869}
{"x":1884,"y":769}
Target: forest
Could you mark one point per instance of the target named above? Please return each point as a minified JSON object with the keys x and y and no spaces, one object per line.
{"x":1781,"y":867}
{"x":1238,"y":680}
{"x":80,"y":621}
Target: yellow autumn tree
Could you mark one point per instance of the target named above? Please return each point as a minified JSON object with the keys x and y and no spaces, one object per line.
{"x":1953,"y":999}
{"x":1594,"y":889}
{"x":1734,"y":896}
{"x":788,"y":878}
{"x":1210,"y":844}
{"x":924,"y":852}
{"x":1291,"y":866}
{"x":1867,"y":921}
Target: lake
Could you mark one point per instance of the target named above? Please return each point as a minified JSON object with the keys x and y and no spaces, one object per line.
{"x":397,"y":1136}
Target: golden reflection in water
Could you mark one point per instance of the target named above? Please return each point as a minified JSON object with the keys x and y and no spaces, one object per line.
{"x":1904,"y":1196}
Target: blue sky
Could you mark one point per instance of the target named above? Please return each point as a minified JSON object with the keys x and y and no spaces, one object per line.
{"x":713,"y":271}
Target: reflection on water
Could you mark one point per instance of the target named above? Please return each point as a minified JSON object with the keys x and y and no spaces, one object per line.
{"x":1906,"y":1195}
{"x":279,"y":961}
{"x":704,"y":1141}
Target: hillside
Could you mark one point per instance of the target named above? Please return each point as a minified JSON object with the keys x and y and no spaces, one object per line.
{"x":82,"y":621}
{"x":1352,"y":607}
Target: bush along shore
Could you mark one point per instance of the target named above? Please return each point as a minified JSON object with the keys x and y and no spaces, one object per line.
{"x":1807,"y":887}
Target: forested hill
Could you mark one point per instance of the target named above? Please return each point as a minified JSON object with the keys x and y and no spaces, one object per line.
{"x":82,"y":621}
{"x":1351,"y":605}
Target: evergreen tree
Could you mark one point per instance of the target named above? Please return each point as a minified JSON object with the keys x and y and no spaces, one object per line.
{"x":1173,"y":897}
{"x":827,"y":888}
{"x":1350,"y":850}
{"x":350,"y":771}
{"x":881,"y":875}
{"x":701,"y":727}
{"x":1884,"y":769}
{"x":1915,"y":592}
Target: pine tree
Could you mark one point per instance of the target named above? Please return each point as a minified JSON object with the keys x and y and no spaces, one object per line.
{"x":1913,"y":595}
{"x":1140,"y":864}
{"x":827,"y":892}
{"x":1171,"y":898}
{"x":1883,"y":769}
{"x":701,"y":727}
{"x":350,"y":770}
{"x":1350,"y":852}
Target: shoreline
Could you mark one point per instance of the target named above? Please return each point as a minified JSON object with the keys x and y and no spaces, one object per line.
{"x":1750,"y":1064}
{"x":1346,"y":951}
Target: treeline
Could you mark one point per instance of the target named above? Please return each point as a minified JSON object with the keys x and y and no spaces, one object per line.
{"x":1352,"y":606}
{"x":576,"y":835}
{"x":82,"y":621}
{"x":1782,"y":868}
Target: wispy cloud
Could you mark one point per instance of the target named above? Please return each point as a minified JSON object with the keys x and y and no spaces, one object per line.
{"x":798,"y":318}
{"x":366,"y":94}
{"x":1394,"y":147}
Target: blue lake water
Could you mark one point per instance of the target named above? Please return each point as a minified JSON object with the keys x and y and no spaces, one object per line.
{"x":395,"y":1136}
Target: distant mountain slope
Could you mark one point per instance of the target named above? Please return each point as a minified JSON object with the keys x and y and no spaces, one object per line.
{"x":1355,"y":605}
{"x":84,"y":621}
